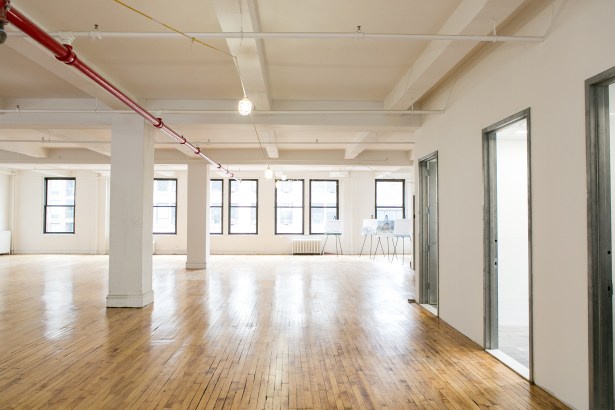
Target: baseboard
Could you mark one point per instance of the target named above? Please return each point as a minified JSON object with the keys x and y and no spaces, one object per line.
{"x":135,"y":301}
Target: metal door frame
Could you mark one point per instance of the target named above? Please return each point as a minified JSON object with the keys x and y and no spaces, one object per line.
{"x":600,"y":281}
{"x":490,"y":232}
{"x":423,"y":266}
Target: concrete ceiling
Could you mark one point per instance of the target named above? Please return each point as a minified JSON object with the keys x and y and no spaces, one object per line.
{"x":337,"y":103}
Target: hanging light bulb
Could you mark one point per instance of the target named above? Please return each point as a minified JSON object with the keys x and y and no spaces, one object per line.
{"x":268,"y":173}
{"x":244,"y":106}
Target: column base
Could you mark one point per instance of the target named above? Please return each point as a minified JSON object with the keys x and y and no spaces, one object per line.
{"x":134,"y":301}
{"x":196,"y":265}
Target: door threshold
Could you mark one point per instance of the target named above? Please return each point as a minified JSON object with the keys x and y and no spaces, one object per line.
{"x":510,"y":362}
{"x":430,"y":308}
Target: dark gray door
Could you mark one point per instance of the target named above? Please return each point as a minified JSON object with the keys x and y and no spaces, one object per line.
{"x":432,"y":228}
{"x":600,"y":103}
{"x":428,"y":167}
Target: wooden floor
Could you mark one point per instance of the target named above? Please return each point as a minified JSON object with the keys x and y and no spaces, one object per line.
{"x":255,"y":332}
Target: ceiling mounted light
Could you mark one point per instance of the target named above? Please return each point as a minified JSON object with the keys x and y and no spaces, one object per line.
{"x":245,"y":106}
{"x":268,"y":173}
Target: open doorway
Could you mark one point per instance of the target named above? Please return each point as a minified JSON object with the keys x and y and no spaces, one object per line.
{"x":508,"y":315}
{"x":428,"y":272}
{"x":600,"y":104}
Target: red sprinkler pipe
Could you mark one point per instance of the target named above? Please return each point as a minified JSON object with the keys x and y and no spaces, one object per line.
{"x":65,"y":53}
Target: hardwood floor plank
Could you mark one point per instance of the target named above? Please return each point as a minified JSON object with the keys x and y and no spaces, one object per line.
{"x":249,"y":332}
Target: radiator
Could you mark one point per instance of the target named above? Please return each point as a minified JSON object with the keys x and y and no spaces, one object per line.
{"x":5,"y":242}
{"x":306,"y":246}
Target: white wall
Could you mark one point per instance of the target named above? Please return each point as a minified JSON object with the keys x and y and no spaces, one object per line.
{"x":549,"y":78}
{"x":356,"y":194}
{"x":5,"y":202}
{"x":28,"y":236}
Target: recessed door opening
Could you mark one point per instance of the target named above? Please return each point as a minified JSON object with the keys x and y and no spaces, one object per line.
{"x":507,"y":242}
{"x":428,"y":273}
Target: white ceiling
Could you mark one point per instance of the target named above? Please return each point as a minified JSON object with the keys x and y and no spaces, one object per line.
{"x":362,"y":89}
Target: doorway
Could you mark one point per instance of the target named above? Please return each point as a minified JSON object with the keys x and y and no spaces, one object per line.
{"x":428,"y":273}
{"x":600,"y":105}
{"x":508,"y":330}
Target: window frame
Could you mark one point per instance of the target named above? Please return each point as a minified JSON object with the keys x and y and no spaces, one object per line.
{"x":337,"y":202}
{"x":302,"y":207}
{"x":221,"y":206}
{"x":166,"y":206}
{"x":46,"y":205}
{"x":403,"y":197}
{"x":231,"y":206}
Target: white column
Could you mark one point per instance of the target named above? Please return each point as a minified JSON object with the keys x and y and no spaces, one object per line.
{"x":131,"y":203}
{"x":198,"y":215}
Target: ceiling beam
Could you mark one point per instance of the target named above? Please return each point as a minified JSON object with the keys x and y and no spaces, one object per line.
{"x":41,"y":56}
{"x":11,"y":143}
{"x":268,"y":138}
{"x":439,"y":57}
{"x":21,"y":148}
{"x":354,"y":149}
{"x":249,"y":52}
{"x":82,"y":137}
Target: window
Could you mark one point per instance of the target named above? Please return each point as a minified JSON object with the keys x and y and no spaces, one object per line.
{"x":59,"y":205}
{"x":165,"y":206}
{"x":243,"y":207}
{"x":324,"y":204}
{"x":390,"y":195}
{"x":289,"y":207}
{"x":216,"y":192}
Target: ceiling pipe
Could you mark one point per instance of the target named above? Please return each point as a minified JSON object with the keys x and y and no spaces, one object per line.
{"x":66,"y":54}
{"x":360,"y":35}
{"x":61,"y":142}
{"x":180,"y":111}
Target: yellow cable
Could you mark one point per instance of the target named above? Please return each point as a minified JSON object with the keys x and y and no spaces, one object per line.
{"x":173,"y":28}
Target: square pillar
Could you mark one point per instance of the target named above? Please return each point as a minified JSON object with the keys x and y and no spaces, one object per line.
{"x":131,"y":212}
{"x":197,"y":248}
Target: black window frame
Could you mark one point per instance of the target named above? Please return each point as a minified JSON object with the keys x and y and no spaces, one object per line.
{"x":276,"y":207}
{"x":403,"y":199}
{"x":231,"y":206}
{"x":73,"y":206}
{"x":221,"y":207}
{"x":337,"y":202}
{"x":167,"y":206}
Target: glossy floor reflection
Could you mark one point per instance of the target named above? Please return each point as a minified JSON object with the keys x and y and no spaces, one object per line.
{"x":249,"y":332}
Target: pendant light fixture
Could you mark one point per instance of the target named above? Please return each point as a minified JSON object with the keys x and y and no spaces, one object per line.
{"x":245,"y":106}
{"x":268,"y":173}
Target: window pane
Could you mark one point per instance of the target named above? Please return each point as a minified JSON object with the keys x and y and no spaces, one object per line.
{"x":215,"y":192}
{"x":243,"y":193}
{"x":164,"y":219}
{"x":215,"y":220}
{"x":165,"y":192}
{"x":324,"y":193}
{"x":289,"y":220}
{"x":289,"y":193}
{"x":389,"y":193}
{"x":60,"y":192}
{"x":392,"y":213}
{"x":60,"y":219}
{"x":243,"y":220}
{"x":319,"y":216}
